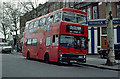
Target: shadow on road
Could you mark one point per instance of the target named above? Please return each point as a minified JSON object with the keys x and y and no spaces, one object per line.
{"x":55,"y":63}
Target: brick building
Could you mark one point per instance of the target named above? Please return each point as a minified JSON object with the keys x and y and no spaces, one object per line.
{"x":97,"y":32}
{"x":96,"y":12}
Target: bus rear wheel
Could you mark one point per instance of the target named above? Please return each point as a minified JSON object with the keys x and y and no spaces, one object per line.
{"x":28,"y":56}
{"x":69,"y":63}
{"x":46,"y":58}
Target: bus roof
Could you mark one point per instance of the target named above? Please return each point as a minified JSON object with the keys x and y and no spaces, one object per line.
{"x":63,"y":9}
{"x":74,"y":10}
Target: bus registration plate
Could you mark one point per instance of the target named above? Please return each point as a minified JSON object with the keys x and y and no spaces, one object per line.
{"x":73,"y":61}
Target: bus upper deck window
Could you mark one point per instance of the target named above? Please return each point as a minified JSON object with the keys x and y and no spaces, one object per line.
{"x":31,"y":25}
{"x":57,"y":17}
{"x":81,"y":19}
{"x":36,"y":24}
{"x":74,"y":17}
{"x":26,"y":41}
{"x":40,"y":23}
{"x":43,"y":21}
{"x":27,"y":25}
{"x":50,"y":19}
{"x":69,"y":17}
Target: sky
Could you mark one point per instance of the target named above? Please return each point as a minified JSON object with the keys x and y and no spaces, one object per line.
{"x":39,"y":1}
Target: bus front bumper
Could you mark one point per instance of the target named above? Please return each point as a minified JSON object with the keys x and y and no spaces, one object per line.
{"x":72,"y":58}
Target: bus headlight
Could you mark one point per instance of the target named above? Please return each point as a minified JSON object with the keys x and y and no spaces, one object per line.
{"x":84,"y":56}
{"x":60,"y":55}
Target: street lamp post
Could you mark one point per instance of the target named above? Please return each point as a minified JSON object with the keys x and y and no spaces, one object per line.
{"x":110,"y":35}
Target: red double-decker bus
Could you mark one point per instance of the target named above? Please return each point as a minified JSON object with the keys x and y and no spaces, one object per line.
{"x":60,"y":36}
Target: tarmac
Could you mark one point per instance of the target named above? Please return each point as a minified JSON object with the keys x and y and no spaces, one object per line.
{"x":94,"y":61}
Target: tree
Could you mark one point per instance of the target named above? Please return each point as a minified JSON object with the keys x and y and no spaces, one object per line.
{"x":11,"y":12}
{"x":4,"y":22}
{"x":10,"y":19}
{"x":29,"y":6}
{"x":4,"y":29}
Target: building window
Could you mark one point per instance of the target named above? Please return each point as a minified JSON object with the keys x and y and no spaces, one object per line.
{"x":47,"y":10}
{"x":88,"y":13}
{"x":51,"y":8}
{"x":95,"y":12}
{"x":44,"y":12}
{"x":67,"y":4}
{"x":63,"y":4}
{"x":54,"y":6}
{"x":118,"y":11}
{"x":72,"y":4}
{"x":104,"y":30}
{"x":57,"y":5}
{"x":38,"y":13}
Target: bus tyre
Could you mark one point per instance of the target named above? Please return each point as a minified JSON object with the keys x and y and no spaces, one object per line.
{"x":59,"y":63}
{"x":69,"y":63}
{"x":28,"y":56}
{"x":46,"y":58}
{"x":101,"y":56}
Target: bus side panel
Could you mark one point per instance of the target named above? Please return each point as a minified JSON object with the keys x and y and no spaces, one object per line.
{"x":41,"y":45}
{"x":54,"y":53}
{"x":54,"y":29}
{"x":24,"y":49}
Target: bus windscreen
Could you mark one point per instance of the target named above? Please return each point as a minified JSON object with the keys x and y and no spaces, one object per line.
{"x":76,"y":42}
{"x":74,"y":18}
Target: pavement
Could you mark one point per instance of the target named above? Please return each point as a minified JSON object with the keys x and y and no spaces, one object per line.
{"x":94,"y":61}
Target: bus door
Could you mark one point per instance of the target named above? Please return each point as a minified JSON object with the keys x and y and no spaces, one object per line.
{"x":54,"y":47}
{"x":24,"y":48}
{"x":40,"y":48}
{"x":34,"y":47}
